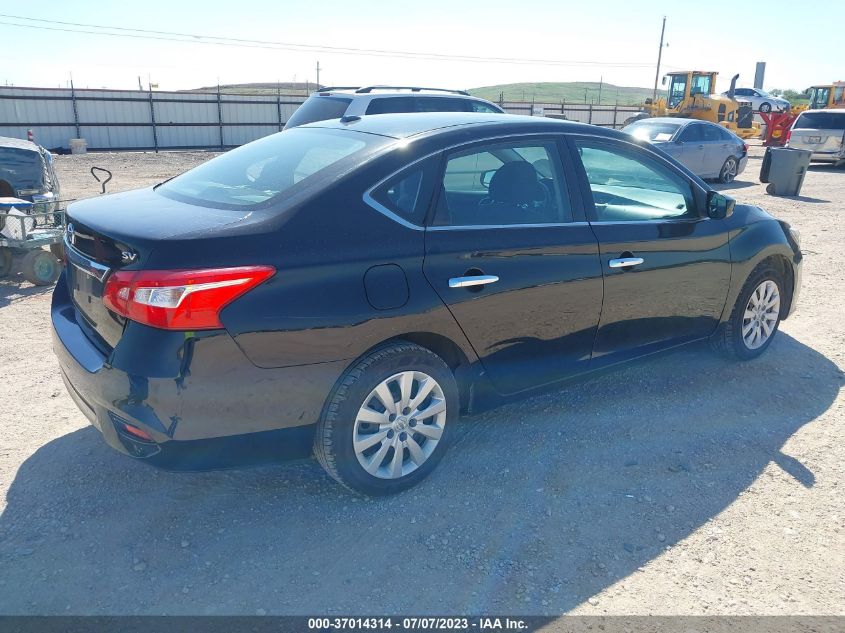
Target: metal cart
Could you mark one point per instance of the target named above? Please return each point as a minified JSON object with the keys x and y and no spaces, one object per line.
{"x":25,"y":229}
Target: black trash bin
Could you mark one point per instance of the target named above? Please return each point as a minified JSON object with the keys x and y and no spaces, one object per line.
{"x":784,"y":169}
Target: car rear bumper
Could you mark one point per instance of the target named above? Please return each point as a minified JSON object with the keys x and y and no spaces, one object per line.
{"x":827,"y":157}
{"x":197,"y":398}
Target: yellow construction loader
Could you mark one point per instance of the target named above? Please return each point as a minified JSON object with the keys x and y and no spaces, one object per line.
{"x":691,"y":95}
{"x":828,"y":96}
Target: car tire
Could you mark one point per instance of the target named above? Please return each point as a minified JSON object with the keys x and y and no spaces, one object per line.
{"x":765,"y":107}
{"x":40,"y":267}
{"x":735,"y":338}
{"x":357,"y":443}
{"x":6,"y":261}
{"x":729,"y":170}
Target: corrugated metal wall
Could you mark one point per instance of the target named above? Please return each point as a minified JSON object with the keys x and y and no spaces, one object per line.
{"x":134,"y":119}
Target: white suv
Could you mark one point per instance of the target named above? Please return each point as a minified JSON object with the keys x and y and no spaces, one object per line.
{"x":337,"y":102}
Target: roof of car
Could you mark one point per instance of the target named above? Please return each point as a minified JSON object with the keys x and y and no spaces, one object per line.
{"x":834,"y":110}
{"x":17,"y":143}
{"x":413,"y":124}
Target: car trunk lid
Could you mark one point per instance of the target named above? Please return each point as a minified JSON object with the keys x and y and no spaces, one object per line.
{"x":817,"y":140}
{"x":121,"y":231}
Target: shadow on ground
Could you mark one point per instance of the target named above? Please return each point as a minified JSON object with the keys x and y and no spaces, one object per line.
{"x":15,"y":288}
{"x":540,"y":505}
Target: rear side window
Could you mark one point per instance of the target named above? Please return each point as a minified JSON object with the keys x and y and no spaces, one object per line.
{"x":820,"y":121}
{"x":257,"y":173}
{"x":711,"y":133}
{"x":408,"y":194}
{"x":392,"y":105}
{"x":318,"y":108}
{"x":692,"y":134}
{"x":503,"y":185}
{"x":484,"y":108}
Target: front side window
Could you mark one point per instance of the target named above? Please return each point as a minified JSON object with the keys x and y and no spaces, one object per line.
{"x":628,"y":186}
{"x":503,"y":184}
{"x":257,"y":173}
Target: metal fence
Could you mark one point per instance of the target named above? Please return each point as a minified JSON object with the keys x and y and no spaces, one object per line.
{"x":147,"y":120}
{"x":135,"y":119}
{"x":604,"y":115}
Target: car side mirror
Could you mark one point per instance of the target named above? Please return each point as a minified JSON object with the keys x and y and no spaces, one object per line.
{"x":719,"y":206}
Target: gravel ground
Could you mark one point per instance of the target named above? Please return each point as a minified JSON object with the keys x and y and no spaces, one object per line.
{"x":682,"y":485}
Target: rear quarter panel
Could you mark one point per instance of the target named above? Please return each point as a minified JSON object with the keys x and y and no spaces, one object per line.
{"x":316,"y":308}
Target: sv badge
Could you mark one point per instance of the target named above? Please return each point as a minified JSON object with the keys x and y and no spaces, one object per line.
{"x":128,"y":256}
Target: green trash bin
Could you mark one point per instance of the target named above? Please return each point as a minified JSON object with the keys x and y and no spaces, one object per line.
{"x":785,"y":169}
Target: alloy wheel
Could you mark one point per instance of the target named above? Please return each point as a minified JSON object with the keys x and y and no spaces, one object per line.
{"x":399,"y":425}
{"x":729,"y":170}
{"x":761,"y":315}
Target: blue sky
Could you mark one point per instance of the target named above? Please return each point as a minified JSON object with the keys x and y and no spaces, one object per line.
{"x":800,"y":48}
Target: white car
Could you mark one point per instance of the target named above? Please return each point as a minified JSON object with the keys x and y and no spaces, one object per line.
{"x":822,"y":132}
{"x":761,"y":101}
{"x":334,"y":103}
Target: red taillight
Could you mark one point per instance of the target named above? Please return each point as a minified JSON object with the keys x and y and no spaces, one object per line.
{"x":180,"y":299}
{"x":745,"y":148}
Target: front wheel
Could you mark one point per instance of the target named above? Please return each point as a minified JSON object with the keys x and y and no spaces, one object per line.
{"x":765,"y":107}
{"x":729,"y":170}
{"x":388,"y":422}
{"x":755,"y":318}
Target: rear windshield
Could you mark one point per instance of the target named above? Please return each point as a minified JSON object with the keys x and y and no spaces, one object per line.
{"x":318,"y":108}
{"x":21,"y":168}
{"x":391,"y":105}
{"x":255,"y":174}
{"x":820,"y":121}
{"x":654,"y":132}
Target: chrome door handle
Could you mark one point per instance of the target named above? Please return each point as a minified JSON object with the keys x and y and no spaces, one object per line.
{"x":476,"y":280}
{"x":624,"y":262}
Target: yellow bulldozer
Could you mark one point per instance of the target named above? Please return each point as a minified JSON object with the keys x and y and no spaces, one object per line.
{"x":691,"y":95}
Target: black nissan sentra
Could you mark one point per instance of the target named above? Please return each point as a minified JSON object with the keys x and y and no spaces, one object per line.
{"x":351,"y":286}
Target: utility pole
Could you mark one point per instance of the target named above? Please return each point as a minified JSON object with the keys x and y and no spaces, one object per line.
{"x":601,"y":83}
{"x":659,"y":57}
{"x":318,"y":75}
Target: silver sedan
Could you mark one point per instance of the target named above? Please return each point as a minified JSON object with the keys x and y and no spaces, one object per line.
{"x":706,"y":149}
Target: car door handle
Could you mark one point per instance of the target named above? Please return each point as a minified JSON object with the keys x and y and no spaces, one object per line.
{"x":624,"y":262}
{"x":701,"y":147}
{"x":475,"y":280}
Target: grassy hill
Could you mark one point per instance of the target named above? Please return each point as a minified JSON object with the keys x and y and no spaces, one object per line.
{"x":543,"y":92}
{"x":573,"y":92}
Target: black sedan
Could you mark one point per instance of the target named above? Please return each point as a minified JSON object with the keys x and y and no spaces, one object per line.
{"x":354,"y":285}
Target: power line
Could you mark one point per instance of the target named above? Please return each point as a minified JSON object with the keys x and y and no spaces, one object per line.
{"x":193,"y":38}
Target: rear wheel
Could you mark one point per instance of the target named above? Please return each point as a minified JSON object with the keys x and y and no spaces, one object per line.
{"x":756,"y":316}
{"x":40,"y":267}
{"x":388,"y":422}
{"x":729,"y":170}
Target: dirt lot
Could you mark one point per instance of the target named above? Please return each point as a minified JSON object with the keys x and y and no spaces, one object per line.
{"x":684,"y":485}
